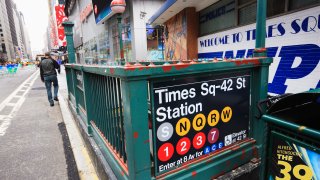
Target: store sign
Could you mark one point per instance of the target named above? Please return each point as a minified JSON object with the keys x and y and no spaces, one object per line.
{"x":85,"y":12}
{"x":196,"y":116}
{"x":292,"y":161}
{"x":61,"y":17}
{"x":292,"y":40}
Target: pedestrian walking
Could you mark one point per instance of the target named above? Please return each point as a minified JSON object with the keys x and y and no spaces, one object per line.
{"x":48,"y":75}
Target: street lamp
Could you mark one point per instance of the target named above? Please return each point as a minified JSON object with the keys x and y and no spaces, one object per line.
{"x":118,"y":7}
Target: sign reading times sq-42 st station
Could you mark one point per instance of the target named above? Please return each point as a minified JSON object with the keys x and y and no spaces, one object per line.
{"x":293,"y":40}
{"x":195,"y":116}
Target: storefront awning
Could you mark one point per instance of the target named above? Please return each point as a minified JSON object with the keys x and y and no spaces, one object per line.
{"x":172,"y":7}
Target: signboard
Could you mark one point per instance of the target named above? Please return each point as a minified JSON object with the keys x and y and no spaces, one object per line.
{"x":292,"y":40}
{"x":61,"y":17}
{"x":53,"y":33}
{"x":292,"y":161}
{"x":196,"y":116}
{"x":101,"y":10}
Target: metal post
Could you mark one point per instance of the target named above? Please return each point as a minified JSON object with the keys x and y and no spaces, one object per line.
{"x":261,"y":29}
{"x":120,"y":36}
{"x":136,"y":130}
{"x":68,"y":30}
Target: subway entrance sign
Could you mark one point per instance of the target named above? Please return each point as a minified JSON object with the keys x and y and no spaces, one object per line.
{"x":196,"y":116}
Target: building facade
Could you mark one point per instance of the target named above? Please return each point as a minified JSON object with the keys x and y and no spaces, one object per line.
{"x":25,"y":35}
{"x":96,"y":31}
{"x":181,"y":30}
{"x":7,"y":48}
{"x":226,"y":29}
{"x":15,"y":43}
{"x":10,"y":13}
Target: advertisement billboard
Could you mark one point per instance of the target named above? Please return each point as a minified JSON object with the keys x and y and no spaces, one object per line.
{"x":292,"y":160}
{"x":101,"y":10}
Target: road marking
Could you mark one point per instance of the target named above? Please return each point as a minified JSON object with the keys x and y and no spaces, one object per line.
{"x":6,"y":119}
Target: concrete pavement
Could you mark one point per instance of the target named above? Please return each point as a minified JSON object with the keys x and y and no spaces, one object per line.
{"x":83,"y":161}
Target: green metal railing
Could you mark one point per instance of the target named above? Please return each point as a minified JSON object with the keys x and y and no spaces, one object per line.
{"x":107,"y":116}
{"x":117,"y":107}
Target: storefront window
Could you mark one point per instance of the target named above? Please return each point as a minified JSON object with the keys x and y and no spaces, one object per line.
{"x":155,"y":43}
{"x":103,"y":49}
{"x":90,"y":52}
{"x":126,"y":39}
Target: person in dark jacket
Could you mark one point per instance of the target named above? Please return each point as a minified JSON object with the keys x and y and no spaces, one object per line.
{"x":48,"y":75}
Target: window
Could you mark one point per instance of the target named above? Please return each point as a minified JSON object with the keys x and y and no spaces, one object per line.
{"x":296,"y":4}
{"x":126,"y":39}
{"x":230,"y":13}
{"x":103,"y":48}
{"x":275,"y":7}
{"x":216,"y":17}
{"x":247,"y":14}
{"x":155,"y":43}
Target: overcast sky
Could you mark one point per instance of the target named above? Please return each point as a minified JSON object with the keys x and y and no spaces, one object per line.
{"x":36,"y":18}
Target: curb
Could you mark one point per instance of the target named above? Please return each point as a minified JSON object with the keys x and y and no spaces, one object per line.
{"x":83,"y":161}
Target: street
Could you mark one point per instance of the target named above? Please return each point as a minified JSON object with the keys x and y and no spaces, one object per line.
{"x":34,"y":141}
{"x":11,"y":82}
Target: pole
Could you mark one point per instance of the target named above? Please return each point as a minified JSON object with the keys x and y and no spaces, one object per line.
{"x":120,"y":36}
{"x":261,"y":28}
{"x":68,"y":30}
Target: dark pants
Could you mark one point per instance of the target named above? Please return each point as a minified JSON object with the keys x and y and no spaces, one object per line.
{"x":48,"y":80}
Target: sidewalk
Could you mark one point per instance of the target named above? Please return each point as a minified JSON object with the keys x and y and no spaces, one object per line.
{"x":36,"y":142}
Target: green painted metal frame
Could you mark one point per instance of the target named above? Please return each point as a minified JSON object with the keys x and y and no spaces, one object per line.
{"x":293,"y":127}
{"x":68,"y":30}
{"x":134,"y":88}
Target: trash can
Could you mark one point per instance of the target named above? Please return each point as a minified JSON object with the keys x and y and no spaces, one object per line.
{"x":294,"y":136}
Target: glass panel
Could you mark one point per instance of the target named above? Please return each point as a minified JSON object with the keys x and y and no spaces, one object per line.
{"x":155,"y":43}
{"x":296,"y":4}
{"x":248,"y":14}
{"x":241,"y":2}
{"x":126,"y":39}
{"x":115,"y":40}
{"x":275,"y":7}
{"x":103,"y":48}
